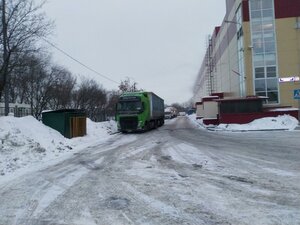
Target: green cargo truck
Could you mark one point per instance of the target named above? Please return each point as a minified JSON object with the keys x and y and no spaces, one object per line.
{"x":139,"y":111}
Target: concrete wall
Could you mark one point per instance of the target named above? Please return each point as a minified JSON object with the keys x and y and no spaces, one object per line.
{"x":288,"y":48}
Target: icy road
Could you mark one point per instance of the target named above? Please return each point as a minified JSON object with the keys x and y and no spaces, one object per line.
{"x":177,"y":174}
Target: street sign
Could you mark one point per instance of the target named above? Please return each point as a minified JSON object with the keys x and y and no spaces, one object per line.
{"x":297,"y":94}
{"x":288,"y":79}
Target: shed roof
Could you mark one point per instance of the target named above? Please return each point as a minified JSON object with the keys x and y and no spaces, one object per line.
{"x":64,"y":111}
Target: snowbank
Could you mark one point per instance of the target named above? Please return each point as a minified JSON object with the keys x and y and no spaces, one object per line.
{"x":284,"y":122}
{"x":26,"y":141}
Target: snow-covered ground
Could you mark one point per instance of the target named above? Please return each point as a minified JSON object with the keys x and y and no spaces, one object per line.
{"x":177,"y":174}
{"x":284,"y":122}
{"x":26,"y":142}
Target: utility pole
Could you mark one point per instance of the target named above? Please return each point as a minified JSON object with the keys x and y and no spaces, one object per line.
{"x":4,"y":75}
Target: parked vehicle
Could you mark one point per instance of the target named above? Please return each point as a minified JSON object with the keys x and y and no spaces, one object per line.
{"x":138,"y":111}
{"x":170,"y":112}
{"x":168,"y":115}
{"x":182,"y":113}
{"x":191,"y":111}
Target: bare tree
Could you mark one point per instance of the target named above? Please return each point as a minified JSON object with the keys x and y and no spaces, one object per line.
{"x":127,"y":86}
{"x":91,"y":97}
{"x":34,"y":83}
{"x":112,"y":99}
{"x":39,"y":85}
{"x":22,"y":24}
{"x":20,"y":76}
{"x":178,"y":106}
{"x":61,"y":89}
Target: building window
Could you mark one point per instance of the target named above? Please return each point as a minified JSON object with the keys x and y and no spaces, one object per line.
{"x":255,"y":5}
{"x":258,"y":60}
{"x":256,"y":15}
{"x":259,"y":72}
{"x":267,"y":4}
{"x":272,"y":84}
{"x":272,"y":97}
{"x":267,"y":14}
{"x":269,"y":46}
{"x":260,"y":85}
{"x":264,"y":49}
{"x":271,"y":71}
{"x":270,"y":58}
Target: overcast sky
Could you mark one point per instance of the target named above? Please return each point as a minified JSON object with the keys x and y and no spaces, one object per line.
{"x":157,"y":43}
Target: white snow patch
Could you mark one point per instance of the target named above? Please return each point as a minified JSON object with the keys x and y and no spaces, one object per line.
{"x":135,"y":151}
{"x":58,"y":188}
{"x":27,"y":144}
{"x":284,"y":122}
{"x":49,"y":197}
{"x":188,"y":154}
{"x":154,"y":203}
{"x":284,"y":109}
{"x":279,"y":172}
{"x":85,"y":219}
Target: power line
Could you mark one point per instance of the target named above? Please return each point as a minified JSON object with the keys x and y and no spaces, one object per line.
{"x":82,"y":64}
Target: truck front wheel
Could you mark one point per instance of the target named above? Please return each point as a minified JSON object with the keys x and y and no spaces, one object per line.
{"x":147,"y":126}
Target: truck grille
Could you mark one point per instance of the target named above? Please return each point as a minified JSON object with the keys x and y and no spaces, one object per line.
{"x":129,"y":123}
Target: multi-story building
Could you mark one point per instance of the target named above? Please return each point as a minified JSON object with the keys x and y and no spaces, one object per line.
{"x":257,"y":44}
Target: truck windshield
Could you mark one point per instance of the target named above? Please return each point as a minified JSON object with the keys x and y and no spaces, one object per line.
{"x":129,"y":106}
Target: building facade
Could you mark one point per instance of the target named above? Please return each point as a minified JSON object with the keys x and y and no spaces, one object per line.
{"x":257,"y":44}
{"x":16,"y":109}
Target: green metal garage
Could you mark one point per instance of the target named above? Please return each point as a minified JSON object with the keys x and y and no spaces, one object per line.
{"x":69,"y":122}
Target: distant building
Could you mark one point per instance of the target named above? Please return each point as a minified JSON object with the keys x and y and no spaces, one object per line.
{"x":257,"y":43}
{"x":18,"y":110}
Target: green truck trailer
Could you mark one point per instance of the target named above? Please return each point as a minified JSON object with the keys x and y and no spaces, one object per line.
{"x":139,"y":111}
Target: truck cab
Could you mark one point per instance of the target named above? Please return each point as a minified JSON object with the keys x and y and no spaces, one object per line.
{"x":137,"y":111}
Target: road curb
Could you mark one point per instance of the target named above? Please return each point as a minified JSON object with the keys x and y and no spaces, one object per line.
{"x":297,"y":128}
{"x":212,"y":129}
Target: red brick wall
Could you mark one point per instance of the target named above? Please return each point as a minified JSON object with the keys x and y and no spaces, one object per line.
{"x":242,"y":118}
{"x":245,"y":9}
{"x":287,"y":8}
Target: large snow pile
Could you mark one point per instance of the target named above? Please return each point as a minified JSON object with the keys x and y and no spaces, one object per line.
{"x":26,"y":141}
{"x":284,"y":122}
